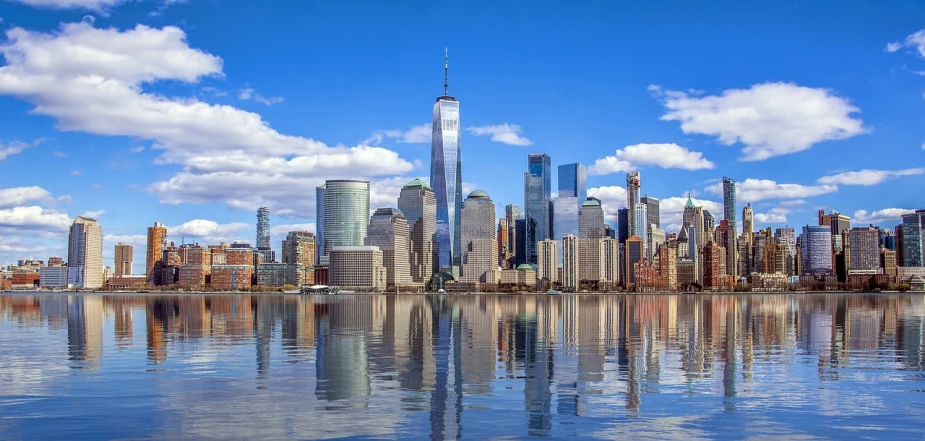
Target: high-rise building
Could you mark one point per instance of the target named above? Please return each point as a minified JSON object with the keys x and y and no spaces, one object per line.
{"x":610,"y":262}
{"x":565,"y":218}
{"x":589,"y":259}
{"x":320,"y":256}
{"x":641,"y":223}
{"x":446,"y":177}
{"x":623,"y":225}
{"x":726,"y":238}
{"x":570,"y":262}
{"x":652,"y":210}
{"x":573,"y":181}
{"x":911,"y":228}
{"x":654,"y":238}
{"x":547,"y":266}
{"x":537,"y":181}
{"x":357,"y":268}
{"x":888,"y":262}
{"x":709,"y":221}
{"x":511,"y":215}
{"x":388,"y":230}
{"x":479,"y":249}
{"x":838,"y":223}
{"x":263,"y":228}
{"x":346,"y":214}
{"x":816,"y":246}
{"x":501,"y":236}
{"x":864,"y":246}
{"x":299,"y":249}
{"x":633,"y":183}
{"x":85,"y":254}
{"x":694,"y":215}
{"x":714,"y":272}
{"x":520,"y":252}
{"x":157,"y":241}
{"x":729,"y":202}
{"x":748,"y":222}
{"x":668,"y":266}
{"x":418,"y":203}
{"x":591,"y":220}
{"x":635,"y":252}
{"x":122,"y":262}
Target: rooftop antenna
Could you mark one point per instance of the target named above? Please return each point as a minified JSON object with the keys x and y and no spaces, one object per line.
{"x":446,"y":73}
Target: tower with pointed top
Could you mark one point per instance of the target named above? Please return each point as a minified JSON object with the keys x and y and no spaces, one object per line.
{"x":446,"y":176}
{"x":632,"y":198}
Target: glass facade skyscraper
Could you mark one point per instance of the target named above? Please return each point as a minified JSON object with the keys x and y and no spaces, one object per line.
{"x":346,"y":214}
{"x":446,"y":179}
{"x":817,"y":249}
{"x":320,"y":257}
{"x":565,"y":218}
{"x":537,"y":183}
{"x":263,"y":228}
{"x":729,"y":201}
{"x":573,"y":182}
{"x":912,"y":239}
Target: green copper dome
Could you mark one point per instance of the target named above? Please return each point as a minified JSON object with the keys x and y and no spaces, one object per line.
{"x":690,"y":202}
{"x":417,"y":183}
{"x":591,"y":203}
{"x":524,"y":267}
{"x":478,"y":194}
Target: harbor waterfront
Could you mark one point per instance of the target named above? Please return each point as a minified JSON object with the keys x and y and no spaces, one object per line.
{"x":703,"y":366}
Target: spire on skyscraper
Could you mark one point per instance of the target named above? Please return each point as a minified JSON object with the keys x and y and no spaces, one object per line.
{"x":446,"y":71}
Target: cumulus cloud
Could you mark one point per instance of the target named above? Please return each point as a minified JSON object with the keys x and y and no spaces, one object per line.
{"x":503,"y":133}
{"x":868,"y":177}
{"x":751,"y":190}
{"x":792,"y":202}
{"x":249,"y":93}
{"x":418,"y":134}
{"x":212,"y":232}
{"x":612,"y":198}
{"x":10,"y":197}
{"x":769,"y":119}
{"x":282,"y":230}
{"x":95,"y":5}
{"x":90,"y":79}
{"x":878,"y":216}
{"x":662,"y":155}
{"x":773,"y":216}
{"x":13,"y":148}
{"x":93,"y":214}
{"x":33,"y":219}
{"x":915,"y":41}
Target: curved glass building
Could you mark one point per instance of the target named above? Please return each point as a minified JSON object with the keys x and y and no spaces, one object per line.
{"x":346,"y":213}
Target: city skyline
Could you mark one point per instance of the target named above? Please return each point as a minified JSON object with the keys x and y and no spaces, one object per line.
{"x":62,"y":158}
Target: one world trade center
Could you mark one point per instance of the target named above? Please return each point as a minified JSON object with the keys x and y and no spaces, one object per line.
{"x":446,"y":178}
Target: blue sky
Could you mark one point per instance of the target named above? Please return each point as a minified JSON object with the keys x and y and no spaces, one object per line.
{"x":194,"y":113}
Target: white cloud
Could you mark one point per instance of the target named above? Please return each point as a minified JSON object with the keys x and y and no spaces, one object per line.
{"x":662,"y":155}
{"x":136,"y":240}
{"x":10,"y":197}
{"x":138,"y":149}
{"x":915,"y":41}
{"x":773,"y":216}
{"x":893,"y":47}
{"x":33,"y":219}
{"x":212,"y":232}
{"x":93,"y":214}
{"x":414,"y":135}
{"x":503,"y":133}
{"x":282,"y":230}
{"x":91,"y":80}
{"x":879,"y":216}
{"x":769,"y":119}
{"x":612,"y":198}
{"x":13,"y":148}
{"x":868,"y":177}
{"x":248,"y":93}
{"x":75,"y":172}
{"x":792,"y":202}
{"x":96,"y":5}
{"x":752,"y":190}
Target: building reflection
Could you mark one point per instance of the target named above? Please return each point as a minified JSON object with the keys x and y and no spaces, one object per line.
{"x":563,"y":356}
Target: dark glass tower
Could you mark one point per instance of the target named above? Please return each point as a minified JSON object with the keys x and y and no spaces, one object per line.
{"x":446,"y":178}
{"x":537,"y":206}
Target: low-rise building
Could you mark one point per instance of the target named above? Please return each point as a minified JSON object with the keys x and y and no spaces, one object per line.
{"x":53,"y":277}
{"x":279,"y":274}
{"x":358,"y":268}
{"x":232,"y":277}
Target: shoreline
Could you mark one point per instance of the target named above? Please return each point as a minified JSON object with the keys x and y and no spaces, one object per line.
{"x":519,"y":294}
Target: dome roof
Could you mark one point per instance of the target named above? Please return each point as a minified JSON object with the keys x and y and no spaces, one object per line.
{"x":591,"y":203}
{"x":478,"y":194}
{"x":524,"y":266}
{"x":417,"y":183}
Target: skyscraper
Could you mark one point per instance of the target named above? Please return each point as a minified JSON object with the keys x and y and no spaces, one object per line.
{"x":85,"y":254}
{"x":864,"y":246}
{"x":817,"y":250}
{"x":446,"y":176}
{"x":632,"y":197}
{"x":537,"y":182}
{"x":263,"y":228}
{"x":565,"y":218}
{"x":591,"y":220}
{"x":748,"y":222}
{"x":479,"y":249}
{"x":320,"y":256}
{"x":547,"y":264}
{"x":570,"y":272}
{"x":709,"y":221}
{"x":838,"y":223}
{"x":641,"y":223}
{"x":511,"y":215}
{"x":346,"y":213}
{"x":652,"y":210}
{"x":419,"y":205}
{"x":573,"y":181}
{"x":694,"y":215}
{"x":157,"y":241}
{"x":122,"y":262}
{"x":623,"y":225}
{"x":911,"y":229}
{"x":729,"y":201}
{"x":388,"y":230}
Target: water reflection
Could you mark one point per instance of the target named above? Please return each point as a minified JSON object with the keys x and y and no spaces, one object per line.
{"x":476,"y":366}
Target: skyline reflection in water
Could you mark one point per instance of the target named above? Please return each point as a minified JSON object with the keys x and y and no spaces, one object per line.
{"x":445,"y":367}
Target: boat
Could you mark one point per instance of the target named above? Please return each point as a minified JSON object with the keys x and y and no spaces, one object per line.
{"x":319,"y":289}
{"x":553,"y":292}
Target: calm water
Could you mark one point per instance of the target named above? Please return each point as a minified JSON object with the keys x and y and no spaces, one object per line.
{"x":478,"y":367}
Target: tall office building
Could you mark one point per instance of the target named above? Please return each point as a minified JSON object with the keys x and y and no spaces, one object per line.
{"x":838,"y":223}
{"x":299,"y":248}
{"x":864,"y":246}
{"x":320,"y":257}
{"x":609,"y":262}
{"x":346,"y":214}
{"x":122,"y":262}
{"x":570,"y":271}
{"x":388,"y":230}
{"x":641,"y":224}
{"x":85,"y":254}
{"x":479,"y":249}
{"x":709,"y":222}
{"x":652,"y":210}
{"x":573,"y":181}
{"x":591,"y":220}
{"x":418,"y":203}
{"x":263,"y":228}
{"x":694,"y":215}
{"x":157,"y":241}
{"x":726,"y":238}
{"x":537,"y":182}
{"x":632,"y":198}
{"x":446,"y":177}
{"x":748,"y":222}
{"x":816,"y":246}
{"x":729,"y":201}
{"x":547,"y":262}
{"x":511,"y":215}
{"x":635,"y":252}
{"x":565,"y":218}
{"x":911,"y":231}
{"x":623,"y":225}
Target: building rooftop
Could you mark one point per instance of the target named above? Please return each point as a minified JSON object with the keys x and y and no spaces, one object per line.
{"x":524,"y":267}
{"x":478,"y":194}
{"x":591,"y":203}
{"x":417,"y":183}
